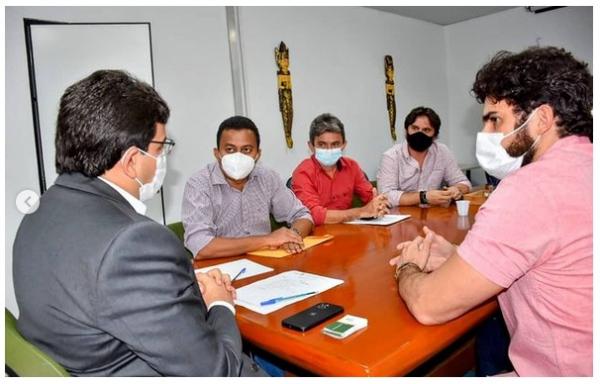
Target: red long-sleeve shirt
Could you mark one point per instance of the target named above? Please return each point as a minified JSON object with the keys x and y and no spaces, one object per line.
{"x":319,"y":192}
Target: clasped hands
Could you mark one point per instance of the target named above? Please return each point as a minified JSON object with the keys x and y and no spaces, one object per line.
{"x":215,"y":286}
{"x":286,"y":239}
{"x":377,"y":207}
{"x":427,"y":253}
{"x":444,"y":197}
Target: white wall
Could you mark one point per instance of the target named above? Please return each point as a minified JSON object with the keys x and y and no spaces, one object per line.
{"x":472,"y":43}
{"x":191,"y":71}
{"x":336,"y":63}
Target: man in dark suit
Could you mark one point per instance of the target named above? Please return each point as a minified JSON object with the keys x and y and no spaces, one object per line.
{"x":101,"y":288}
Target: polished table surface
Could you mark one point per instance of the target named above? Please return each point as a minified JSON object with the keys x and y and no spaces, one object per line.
{"x":394,"y":343}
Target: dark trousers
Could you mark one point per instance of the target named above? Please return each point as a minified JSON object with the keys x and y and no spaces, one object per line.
{"x":491,"y":345}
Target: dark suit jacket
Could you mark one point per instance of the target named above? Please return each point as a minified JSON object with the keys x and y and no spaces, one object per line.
{"x":106,"y":291}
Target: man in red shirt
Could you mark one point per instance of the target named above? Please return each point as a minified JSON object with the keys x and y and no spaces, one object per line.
{"x":327,"y":181}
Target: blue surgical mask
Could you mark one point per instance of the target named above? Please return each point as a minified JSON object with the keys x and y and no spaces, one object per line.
{"x":328,"y":157}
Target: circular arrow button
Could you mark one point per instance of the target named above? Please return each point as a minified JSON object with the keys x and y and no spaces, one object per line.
{"x":28,"y":201}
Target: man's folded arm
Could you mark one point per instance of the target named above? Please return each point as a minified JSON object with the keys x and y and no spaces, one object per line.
{"x":147,"y":296}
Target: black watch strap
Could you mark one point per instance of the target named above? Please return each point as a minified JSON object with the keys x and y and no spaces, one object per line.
{"x":423,"y":197}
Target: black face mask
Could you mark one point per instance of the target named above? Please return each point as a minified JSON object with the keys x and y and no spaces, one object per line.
{"x":419,"y":141}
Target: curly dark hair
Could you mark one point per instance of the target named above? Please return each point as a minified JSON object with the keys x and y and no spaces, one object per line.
{"x":541,"y":75}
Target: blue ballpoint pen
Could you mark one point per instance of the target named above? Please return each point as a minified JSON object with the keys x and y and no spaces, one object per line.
{"x":278,"y":299}
{"x":238,"y":275}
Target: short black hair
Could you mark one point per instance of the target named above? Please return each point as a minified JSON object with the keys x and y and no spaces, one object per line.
{"x":101,"y":116}
{"x":326,"y":122}
{"x":541,"y":75}
{"x":238,"y":123}
{"x":417,"y":112}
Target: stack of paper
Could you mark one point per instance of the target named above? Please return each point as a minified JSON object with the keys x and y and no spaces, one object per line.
{"x":234,"y":267}
{"x":384,"y":220}
{"x":285,"y":284}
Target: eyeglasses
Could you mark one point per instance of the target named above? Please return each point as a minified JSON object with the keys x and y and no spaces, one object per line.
{"x":167,"y":144}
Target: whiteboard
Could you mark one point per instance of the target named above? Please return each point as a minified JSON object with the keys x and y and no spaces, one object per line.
{"x":65,"y":53}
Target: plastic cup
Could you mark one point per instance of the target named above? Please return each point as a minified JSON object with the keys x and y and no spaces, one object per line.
{"x":462,"y":206}
{"x":463,"y":222}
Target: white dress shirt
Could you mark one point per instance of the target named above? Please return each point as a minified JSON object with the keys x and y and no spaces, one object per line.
{"x":135,"y":202}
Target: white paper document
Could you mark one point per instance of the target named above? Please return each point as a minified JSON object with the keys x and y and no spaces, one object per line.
{"x":282,"y":286}
{"x":234,"y":267}
{"x":384,"y":220}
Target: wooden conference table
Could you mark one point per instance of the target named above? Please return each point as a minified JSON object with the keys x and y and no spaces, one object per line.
{"x":394,"y":343}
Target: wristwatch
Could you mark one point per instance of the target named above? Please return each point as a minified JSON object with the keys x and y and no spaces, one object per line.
{"x":423,"y":197}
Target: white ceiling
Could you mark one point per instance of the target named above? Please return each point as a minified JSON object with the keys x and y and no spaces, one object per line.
{"x":443,"y":15}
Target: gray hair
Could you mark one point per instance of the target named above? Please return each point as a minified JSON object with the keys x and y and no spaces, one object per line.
{"x":326,"y":122}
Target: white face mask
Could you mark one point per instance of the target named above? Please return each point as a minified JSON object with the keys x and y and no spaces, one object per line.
{"x":492,"y":156}
{"x":237,"y":165}
{"x":149,"y":190}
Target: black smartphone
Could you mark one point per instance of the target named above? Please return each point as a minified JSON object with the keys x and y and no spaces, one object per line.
{"x":368,"y":218}
{"x":307,"y":319}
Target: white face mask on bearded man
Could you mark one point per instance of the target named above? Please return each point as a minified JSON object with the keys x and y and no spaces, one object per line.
{"x":495,"y":159}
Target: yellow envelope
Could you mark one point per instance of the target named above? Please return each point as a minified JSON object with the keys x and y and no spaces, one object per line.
{"x":309,"y":241}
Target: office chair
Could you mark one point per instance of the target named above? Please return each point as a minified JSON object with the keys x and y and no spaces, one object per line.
{"x":179,"y":231}
{"x":23,"y":358}
{"x":356,"y":201}
{"x":275,"y":225}
{"x":491,"y":180}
